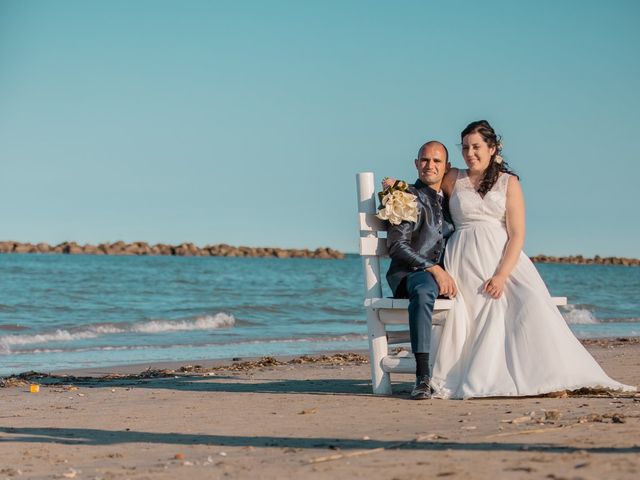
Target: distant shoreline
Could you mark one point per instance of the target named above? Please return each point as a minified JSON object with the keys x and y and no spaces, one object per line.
{"x":580,"y":260}
{"x":121,"y":248}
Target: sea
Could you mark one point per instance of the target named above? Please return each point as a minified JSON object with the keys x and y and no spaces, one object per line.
{"x":61,"y":312}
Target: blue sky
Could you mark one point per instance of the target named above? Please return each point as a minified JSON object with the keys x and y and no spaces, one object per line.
{"x":245,"y":122}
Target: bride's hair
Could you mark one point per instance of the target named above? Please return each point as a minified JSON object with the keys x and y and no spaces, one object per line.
{"x":494,"y":169}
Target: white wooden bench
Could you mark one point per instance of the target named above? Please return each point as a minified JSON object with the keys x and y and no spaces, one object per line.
{"x":381,"y":311}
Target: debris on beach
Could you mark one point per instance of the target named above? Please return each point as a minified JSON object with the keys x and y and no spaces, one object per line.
{"x":592,"y":417}
{"x":22,"y":379}
{"x":610,"y":342}
{"x":67,"y":381}
{"x":308,"y":412}
{"x":13,"y":382}
{"x":616,"y":418}
{"x":518,"y":420}
{"x":552,"y":415}
{"x":10,"y":472}
{"x":71,"y":473}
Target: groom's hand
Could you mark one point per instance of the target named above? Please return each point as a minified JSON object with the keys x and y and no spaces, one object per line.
{"x":446,"y":283}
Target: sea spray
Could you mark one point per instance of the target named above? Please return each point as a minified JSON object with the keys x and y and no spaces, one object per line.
{"x":205,"y":322}
{"x":578,"y":316}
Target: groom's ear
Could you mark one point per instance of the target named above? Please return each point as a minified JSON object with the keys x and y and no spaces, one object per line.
{"x":447,"y":167}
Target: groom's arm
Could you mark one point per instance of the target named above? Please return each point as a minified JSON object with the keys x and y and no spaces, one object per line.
{"x":400,"y":249}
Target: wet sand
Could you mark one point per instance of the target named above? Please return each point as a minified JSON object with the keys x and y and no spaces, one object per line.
{"x":309,"y":418}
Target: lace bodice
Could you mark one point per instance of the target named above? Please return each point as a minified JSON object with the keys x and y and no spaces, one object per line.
{"x":469,"y":208}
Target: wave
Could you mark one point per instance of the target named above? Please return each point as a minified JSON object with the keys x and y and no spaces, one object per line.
{"x":319,"y":339}
{"x":578,"y":316}
{"x":205,"y":322}
{"x":620,"y":320}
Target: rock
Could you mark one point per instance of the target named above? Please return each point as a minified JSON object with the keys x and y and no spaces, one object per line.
{"x":70,"y":248}
{"x":550,"y":415}
{"x":7,"y":247}
{"x":163,"y":249}
{"x":104,"y":248}
{"x":615,"y":418}
{"x":92,"y":250}
{"x":23,"y":248}
{"x":186,"y":249}
{"x":43,"y":247}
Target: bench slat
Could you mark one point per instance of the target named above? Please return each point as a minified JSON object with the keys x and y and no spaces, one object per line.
{"x":370,"y":223}
{"x":401,"y":316}
{"x":441,"y":303}
{"x":374,"y":246}
{"x":400,"y":363}
{"x":396,"y":337}
{"x":403,"y":303}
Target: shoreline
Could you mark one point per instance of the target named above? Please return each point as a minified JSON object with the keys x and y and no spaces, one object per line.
{"x":173,"y":367}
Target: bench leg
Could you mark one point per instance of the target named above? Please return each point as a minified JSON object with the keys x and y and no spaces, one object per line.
{"x":378,"y":349}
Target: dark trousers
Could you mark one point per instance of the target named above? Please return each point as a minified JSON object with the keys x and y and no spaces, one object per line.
{"x":422,"y":291}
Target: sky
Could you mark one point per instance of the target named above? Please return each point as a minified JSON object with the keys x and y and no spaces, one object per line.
{"x":245,"y":122}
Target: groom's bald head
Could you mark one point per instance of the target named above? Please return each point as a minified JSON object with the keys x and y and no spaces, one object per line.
{"x":434,"y":143}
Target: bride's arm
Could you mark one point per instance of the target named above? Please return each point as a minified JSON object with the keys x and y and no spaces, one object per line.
{"x":516,"y":231}
{"x":449,"y":181}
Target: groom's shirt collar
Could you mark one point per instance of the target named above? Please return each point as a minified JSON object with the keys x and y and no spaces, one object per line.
{"x":430,"y":191}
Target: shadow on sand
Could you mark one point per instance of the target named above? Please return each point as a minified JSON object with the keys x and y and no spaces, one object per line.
{"x":83,"y":436}
{"x":231,"y":384}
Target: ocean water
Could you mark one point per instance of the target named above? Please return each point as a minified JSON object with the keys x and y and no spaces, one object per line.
{"x":67,"y":311}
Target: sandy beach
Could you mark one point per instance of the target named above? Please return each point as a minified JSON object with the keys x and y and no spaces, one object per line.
{"x":309,"y":417}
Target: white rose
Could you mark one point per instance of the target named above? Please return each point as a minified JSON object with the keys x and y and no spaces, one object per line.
{"x":399,"y":206}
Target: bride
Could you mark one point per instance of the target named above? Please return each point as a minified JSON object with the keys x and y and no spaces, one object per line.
{"x":504,"y":335}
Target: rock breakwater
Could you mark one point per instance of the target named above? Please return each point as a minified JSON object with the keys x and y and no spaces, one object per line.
{"x":580,"y":260}
{"x":184,"y":249}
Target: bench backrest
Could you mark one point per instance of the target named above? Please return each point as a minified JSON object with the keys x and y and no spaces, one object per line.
{"x":372,"y":246}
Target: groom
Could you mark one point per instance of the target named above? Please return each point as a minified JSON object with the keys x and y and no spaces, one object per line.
{"x":416,"y":250}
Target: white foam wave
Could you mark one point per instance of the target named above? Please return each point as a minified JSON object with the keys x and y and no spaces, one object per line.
{"x":578,"y":316}
{"x":340,"y":338}
{"x":205,"y":322}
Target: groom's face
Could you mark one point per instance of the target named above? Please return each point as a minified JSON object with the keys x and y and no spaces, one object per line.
{"x":432,"y":165}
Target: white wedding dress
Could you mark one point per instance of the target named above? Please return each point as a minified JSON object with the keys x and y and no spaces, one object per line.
{"x":516,"y":345}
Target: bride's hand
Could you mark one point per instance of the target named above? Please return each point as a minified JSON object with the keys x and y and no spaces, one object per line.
{"x":387,"y":182}
{"x":495,"y":286}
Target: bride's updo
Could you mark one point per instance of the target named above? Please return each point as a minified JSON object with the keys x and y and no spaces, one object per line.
{"x":497,"y":163}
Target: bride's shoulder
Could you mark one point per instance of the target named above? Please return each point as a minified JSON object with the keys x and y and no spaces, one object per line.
{"x":508,"y":178}
{"x":511,"y":184}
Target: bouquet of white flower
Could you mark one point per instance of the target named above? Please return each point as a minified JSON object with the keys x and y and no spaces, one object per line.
{"x":397,"y":204}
